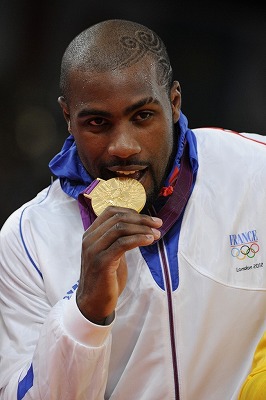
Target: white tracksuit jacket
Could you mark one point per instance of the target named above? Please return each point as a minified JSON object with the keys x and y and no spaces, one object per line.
{"x":49,"y":351}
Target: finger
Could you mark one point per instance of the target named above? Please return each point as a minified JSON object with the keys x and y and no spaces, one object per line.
{"x":118,"y":226}
{"x":125,"y":243}
{"x":129,"y":214}
{"x":114,"y":216}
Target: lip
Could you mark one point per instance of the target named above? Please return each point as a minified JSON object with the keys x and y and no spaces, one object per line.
{"x":127,"y":168}
{"x":132,"y":171}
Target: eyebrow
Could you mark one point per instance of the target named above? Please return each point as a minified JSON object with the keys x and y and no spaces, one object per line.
{"x":141,"y":103}
{"x":94,"y":111}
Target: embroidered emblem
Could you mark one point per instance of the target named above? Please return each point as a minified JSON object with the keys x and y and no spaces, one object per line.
{"x":244,"y":245}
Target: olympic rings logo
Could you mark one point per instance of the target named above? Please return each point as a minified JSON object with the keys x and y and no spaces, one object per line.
{"x":245,"y":251}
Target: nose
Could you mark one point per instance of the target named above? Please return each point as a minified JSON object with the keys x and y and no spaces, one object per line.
{"x":123,"y":143}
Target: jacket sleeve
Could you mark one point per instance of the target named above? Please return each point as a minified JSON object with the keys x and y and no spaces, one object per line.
{"x":46,"y":352}
{"x":254,"y":387}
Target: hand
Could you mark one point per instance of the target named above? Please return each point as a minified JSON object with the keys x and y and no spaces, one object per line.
{"x":103,"y":264}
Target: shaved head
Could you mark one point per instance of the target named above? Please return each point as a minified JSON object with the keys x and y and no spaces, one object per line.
{"x":114,"y":45}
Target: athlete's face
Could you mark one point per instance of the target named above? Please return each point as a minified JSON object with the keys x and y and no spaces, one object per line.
{"x":122,"y":122}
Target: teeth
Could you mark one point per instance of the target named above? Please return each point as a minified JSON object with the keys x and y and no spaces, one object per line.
{"x":126,"y":172}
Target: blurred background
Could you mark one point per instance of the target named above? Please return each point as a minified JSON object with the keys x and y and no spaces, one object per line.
{"x":218,"y":53}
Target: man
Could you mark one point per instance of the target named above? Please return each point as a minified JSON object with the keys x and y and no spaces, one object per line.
{"x":167,"y":302}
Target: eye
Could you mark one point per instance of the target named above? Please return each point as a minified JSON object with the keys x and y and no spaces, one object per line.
{"x":97,"y":121}
{"x":143,"y":116}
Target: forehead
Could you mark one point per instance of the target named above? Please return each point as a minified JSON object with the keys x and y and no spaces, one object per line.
{"x":135,"y":81}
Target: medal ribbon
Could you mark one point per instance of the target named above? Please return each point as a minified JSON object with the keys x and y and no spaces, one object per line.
{"x":86,"y":211}
{"x":176,"y":202}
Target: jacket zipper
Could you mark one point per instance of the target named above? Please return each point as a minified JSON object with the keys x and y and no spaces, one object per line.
{"x":168,"y":288}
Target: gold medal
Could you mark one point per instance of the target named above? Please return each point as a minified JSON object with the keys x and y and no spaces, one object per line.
{"x":121,"y":192}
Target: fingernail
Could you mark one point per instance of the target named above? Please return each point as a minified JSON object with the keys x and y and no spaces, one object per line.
{"x":157,"y":220}
{"x":156,"y":233}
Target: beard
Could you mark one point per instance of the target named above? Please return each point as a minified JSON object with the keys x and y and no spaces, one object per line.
{"x":153,"y":195}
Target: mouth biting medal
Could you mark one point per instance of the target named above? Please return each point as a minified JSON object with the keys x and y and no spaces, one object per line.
{"x":120,"y":191}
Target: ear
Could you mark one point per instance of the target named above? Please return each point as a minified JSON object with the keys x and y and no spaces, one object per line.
{"x":64,"y":106}
{"x":176,"y":100}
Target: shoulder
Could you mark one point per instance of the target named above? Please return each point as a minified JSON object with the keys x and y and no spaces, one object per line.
{"x":227,"y":144}
{"x":35,"y":229}
{"x":228,"y":136}
{"x":46,"y":205}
